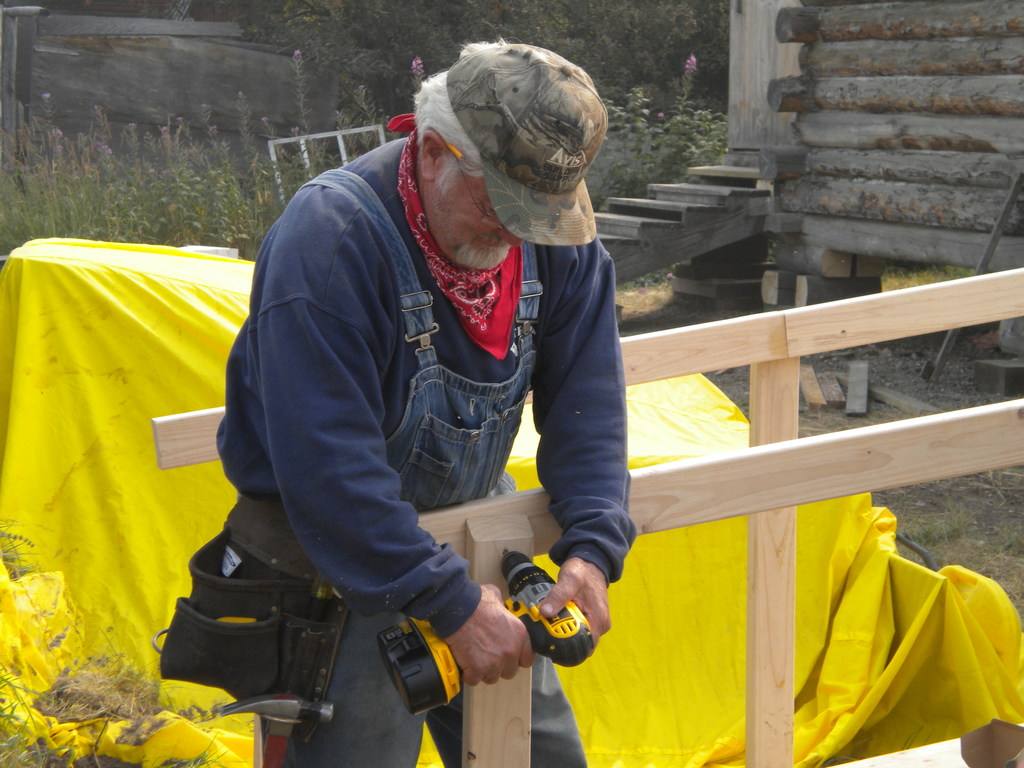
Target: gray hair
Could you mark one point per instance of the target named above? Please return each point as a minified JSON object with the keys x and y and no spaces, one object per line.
{"x":434,"y":113}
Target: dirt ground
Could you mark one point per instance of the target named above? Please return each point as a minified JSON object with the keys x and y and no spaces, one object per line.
{"x":976,"y":521}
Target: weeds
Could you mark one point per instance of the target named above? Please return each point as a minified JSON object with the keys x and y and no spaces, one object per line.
{"x":645,"y":147}
{"x":12,"y":548}
{"x":159,"y":188}
{"x":107,"y":688}
{"x":18,"y":747}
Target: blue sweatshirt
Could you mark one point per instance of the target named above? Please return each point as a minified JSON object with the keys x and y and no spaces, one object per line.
{"x":318,"y":378}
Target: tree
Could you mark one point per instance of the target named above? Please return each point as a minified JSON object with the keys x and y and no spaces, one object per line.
{"x":372,"y":44}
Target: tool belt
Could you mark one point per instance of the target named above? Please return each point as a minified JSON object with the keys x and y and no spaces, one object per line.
{"x":269,"y":626}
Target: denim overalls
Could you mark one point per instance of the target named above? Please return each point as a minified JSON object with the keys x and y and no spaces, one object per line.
{"x":456,"y":434}
{"x":451,"y":446}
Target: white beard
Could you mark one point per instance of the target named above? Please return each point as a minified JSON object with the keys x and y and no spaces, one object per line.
{"x":476,"y":256}
{"x":470,"y":255}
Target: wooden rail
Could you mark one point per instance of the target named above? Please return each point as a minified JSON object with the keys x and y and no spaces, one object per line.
{"x":764,"y":482}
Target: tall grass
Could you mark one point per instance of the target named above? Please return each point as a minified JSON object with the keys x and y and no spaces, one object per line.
{"x":183,"y":184}
{"x":165,"y":187}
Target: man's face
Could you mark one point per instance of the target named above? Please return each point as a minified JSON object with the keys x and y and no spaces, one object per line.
{"x":462,"y":221}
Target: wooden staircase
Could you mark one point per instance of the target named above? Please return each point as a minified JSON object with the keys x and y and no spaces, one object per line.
{"x":709,"y":235}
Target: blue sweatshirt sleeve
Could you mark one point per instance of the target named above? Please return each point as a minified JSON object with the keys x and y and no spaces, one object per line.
{"x":317,"y":347}
{"x":580,"y":409}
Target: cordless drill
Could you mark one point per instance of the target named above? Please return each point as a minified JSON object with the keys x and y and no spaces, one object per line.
{"x":422,"y":666}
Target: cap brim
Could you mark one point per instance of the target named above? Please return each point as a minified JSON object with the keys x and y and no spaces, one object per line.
{"x":541,"y":217}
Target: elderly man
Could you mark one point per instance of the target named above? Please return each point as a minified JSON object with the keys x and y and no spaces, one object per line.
{"x":402,"y":308}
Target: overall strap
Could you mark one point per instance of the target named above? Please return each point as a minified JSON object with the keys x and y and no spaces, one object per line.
{"x":415,"y":302}
{"x":528,"y":309}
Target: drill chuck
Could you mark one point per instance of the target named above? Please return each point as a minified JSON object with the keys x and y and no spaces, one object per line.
{"x":565,"y":638}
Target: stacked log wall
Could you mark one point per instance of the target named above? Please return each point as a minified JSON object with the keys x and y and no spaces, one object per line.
{"x":908,"y":130}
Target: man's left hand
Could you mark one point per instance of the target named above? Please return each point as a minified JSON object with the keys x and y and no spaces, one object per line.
{"x":583,"y":583}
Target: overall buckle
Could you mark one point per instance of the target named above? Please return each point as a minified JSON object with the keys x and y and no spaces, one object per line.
{"x":423,"y":338}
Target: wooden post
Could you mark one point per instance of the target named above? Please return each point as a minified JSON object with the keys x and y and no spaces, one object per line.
{"x":10,"y":109}
{"x":8,"y":53}
{"x":771,"y":578}
{"x":496,"y":718}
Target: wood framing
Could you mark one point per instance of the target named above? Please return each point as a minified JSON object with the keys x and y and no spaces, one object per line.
{"x":765,"y":481}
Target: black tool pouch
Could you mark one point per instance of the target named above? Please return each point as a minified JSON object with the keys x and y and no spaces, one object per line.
{"x":258,"y":631}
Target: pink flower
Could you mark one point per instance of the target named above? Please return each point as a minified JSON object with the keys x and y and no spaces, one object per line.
{"x":417,"y":66}
{"x":690,"y":68}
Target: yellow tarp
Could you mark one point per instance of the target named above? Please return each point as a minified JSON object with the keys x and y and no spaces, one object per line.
{"x":95,"y":339}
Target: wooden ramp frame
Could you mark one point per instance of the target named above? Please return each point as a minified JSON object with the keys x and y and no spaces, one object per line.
{"x":764,"y":482}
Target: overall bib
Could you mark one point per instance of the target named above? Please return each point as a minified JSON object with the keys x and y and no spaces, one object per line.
{"x":451,"y":445}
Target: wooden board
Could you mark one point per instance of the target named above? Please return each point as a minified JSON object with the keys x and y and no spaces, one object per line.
{"x":155,"y":80}
{"x":778,"y":475}
{"x":857,"y":389}
{"x":831,"y":389}
{"x":189,"y":438}
{"x":508,"y":701}
{"x":796,"y":252}
{"x":814,"y":289}
{"x":771,"y":577}
{"x":911,"y":406}
{"x":811,"y":388}
{"x":112,"y":26}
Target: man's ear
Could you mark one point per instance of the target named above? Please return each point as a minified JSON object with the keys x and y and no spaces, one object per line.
{"x":432,"y":156}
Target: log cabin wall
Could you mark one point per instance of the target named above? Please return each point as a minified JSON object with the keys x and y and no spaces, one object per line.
{"x":908,"y":134}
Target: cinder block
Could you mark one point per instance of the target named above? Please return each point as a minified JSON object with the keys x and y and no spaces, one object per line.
{"x":1000,"y":377}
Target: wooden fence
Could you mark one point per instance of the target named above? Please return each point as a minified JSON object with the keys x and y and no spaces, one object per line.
{"x":764,"y":482}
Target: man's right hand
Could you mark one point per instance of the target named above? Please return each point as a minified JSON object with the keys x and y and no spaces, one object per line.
{"x":492,"y":644}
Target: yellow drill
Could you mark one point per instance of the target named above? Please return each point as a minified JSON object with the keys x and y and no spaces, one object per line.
{"x":422,"y":666}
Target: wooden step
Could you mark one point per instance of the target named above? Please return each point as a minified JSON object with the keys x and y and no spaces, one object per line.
{"x":670,"y":210}
{"x":726,"y":171}
{"x":704,"y":194}
{"x":616,"y":242}
{"x":619,"y":225}
{"x":733,"y":175}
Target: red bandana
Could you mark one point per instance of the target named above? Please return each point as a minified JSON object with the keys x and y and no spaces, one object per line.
{"x":484,"y":299}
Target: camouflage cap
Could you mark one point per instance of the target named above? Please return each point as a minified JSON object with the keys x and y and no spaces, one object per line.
{"x":538,"y":123}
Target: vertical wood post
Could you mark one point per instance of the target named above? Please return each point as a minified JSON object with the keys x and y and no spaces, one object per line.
{"x":771,"y":579}
{"x":496,"y":718}
{"x":8,"y":56}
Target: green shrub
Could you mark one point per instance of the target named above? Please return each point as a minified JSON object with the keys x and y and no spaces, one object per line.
{"x":645,"y":147}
